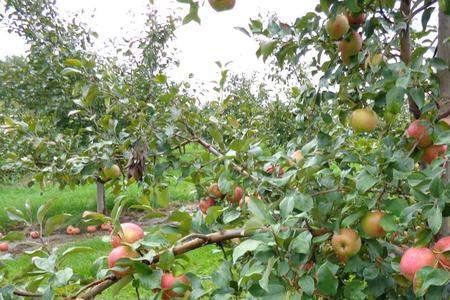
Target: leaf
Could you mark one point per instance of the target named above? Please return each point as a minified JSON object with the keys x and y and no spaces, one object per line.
{"x":259,"y":210}
{"x":427,"y":277}
{"x":225,"y":183}
{"x":243,"y":30}
{"x":43,"y":209}
{"x":123,"y":282}
{"x":244,"y":247}
{"x":287,"y":206}
{"x":13,"y":236}
{"x":303,"y":202}
{"x":55,"y":222}
{"x":365,"y":181}
{"x":327,"y":282}
{"x":302,"y":243}
{"x":418,"y":95}
{"x":435,"y":219}
{"x":162,"y":196}
{"x":73,"y":62}
{"x":426,"y":17}
{"x":264,"y":281}
{"x":307,"y":284}
{"x":395,"y":100}
{"x":15,"y":214}
{"x":166,"y":260}
{"x":389,"y":223}
{"x":70,"y":71}
{"x":267,"y":48}
{"x":437,"y":187}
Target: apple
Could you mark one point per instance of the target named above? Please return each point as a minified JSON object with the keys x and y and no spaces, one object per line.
{"x":337,"y":27}
{"x":214,"y":191}
{"x":350,"y":47}
{"x":4,"y":247}
{"x":106,"y":227}
{"x":418,"y":130}
{"x":118,"y":253}
{"x":91,"y":228}
{"x":433,"y":152}
{"x":69,"y":229}
{"x":34,"y":235}
{"x":364,"y":119}
{"x":237,"y":195}
{"x":357,"y":19}
{"x":297,"y":156}
{"x":441,"y":246}
{"x":347,"y":243}
{"x":131,"y":233}
{"x":205,"y":204}
{"x":222,"y":5}
{"x":269,"y":168}
{"x":371,"y":224}
{"x":76,"y":230}
{"x":168,"y":281}
{"x":415,"y":259}
{"x":112,"y":172}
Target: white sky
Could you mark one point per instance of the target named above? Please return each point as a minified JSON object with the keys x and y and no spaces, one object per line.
{"x":199,"y":46}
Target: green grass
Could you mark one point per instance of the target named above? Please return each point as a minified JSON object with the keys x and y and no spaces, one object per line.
{"x":201,"y":261}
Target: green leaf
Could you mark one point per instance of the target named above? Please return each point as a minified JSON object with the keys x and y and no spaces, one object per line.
{"x":244,"y":247}
{"x":14,"y":236}
{"x":225,"y":183}
{"x":306,"y":283}
{"x":74,"y":250}
{"x":438,"y":63}
{"x":435,"y":219}
{"x":302,"y":243}
{"x":163,"y":196}
{"x":213,"y":213}
{"x":73,"y":62}
{"x":395,"y":100}
{"x":267,"y":48}
{"x":166,"y":260}
{"x":15,"y":214}
{"x":54,"y":222}
{"x":327,"y":282}
{"x":303,"y":202}
{"x":365,"y":181}
{"x":426,"y":17}
{"x":287,"y":206}
{"x":259,"y":210}
{"x":427,"y":277}
{"x":70,"y":71}
{"x":161,"y":78}
{"x":264,"y":281}
{"x":418,"y":95}
{"x":437,"y":187}
{"x":389,"y":223}
{"x":43,"y":209}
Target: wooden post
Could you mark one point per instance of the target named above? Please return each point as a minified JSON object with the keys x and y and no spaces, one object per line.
{"x":101,"y":203}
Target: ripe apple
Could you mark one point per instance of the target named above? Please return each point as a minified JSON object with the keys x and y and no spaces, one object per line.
{"x":237,"y":195}
{"x":205,"y":204}
{"x":168,"y":281}
{"x":433,"y":152}
{"x":214,"y":191}
{"x":442,"y":246}
{"x":336,"y":28}
{"x":364,"y":119}
{"x":91,"y":228}
{"x":347,"y":243}
{"x":118,"y":253}
{"x":106,"y":227}
{"x":69,"y":229}
{"x":418,"y":130}
{"x":34,"y":234}
{"x":222,"y":5}
{"x":131,"y":233}
{"x":415,"y":259}
{"x":350,"y":47}
{"x":112,"y":172}
{"x":269,"y":168}
{"x":357,"y":19}
{"x":371,"y":224}
{"x":76,"y":230}
{"x":4,"y":247}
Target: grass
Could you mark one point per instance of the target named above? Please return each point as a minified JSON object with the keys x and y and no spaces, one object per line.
{"x":201,"y":261}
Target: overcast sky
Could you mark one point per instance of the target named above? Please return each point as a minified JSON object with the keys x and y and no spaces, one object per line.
{"x":199,"y":46}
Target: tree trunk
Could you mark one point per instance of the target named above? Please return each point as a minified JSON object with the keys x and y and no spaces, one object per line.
{"x":444,"y":88}
{"x":101,"y":203}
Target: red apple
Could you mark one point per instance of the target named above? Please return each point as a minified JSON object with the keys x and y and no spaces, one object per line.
{"x":350,"y":47}
{"x":442,"y":246}
{"x":205,"y":204}
{"x":34,"y":235}
{"x":168,"y":281}
{"x":222,"y":5}
{"x":347,"y":243}
{"x":371,"y":224}
{"x":357,"y":19}
{"x":214,"y":191}
{"x":76,"y":230}
{"x":4,"y":247}
{"x":112,"y":172}
{"x":364,"y":119}
{"x":69,"y":229}
{"x":415,"y":259}
{"x":433,"y":152}
{"x":237,"y":195}
{"x":336,"y":28}
{"x":418,"y":130}
{"x":118,"y":253}
{"x":91,"y":228}
{"x":131,"y":233}
{"x":106,"y":227}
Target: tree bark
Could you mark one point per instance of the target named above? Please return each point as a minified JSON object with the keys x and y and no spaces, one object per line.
{"x":444,"y":89}
{"x":101,"y":203}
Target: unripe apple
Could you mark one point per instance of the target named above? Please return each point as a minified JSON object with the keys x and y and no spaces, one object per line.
{"x":214,"y":191}
{"x":112,"y":172}
{"x":222,"y":5}
{"x":237,"y":195}
{"x":118,"y":253}
{"x":371,"y":224}
{"x":336,"y":28}
{"x":347,"y":243}
{"x":364,"y":119}
{"x":106,"y":227}
{"x":433,"y":152}
{"x":205,"y":204}
{"x":350,"y":47}
{"x":34,"y":234}
{"x":357,"y":19}
{"x":131,"y":233}
{"x":418,"y":130}
{"x":442,"y":246}
{"x":4,"y":247}
{"x":168,"y":281}
{"x":415,"y":259}
{"x":91,"y":228}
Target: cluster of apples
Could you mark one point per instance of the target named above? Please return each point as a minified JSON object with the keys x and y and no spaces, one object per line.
{"x":132,"y":233}
{"x":214,"y":194}
{"x":419,"y":131}
{"x":72,"y":230}
{"x":338,"y":27}
{"x":222,"y":5}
